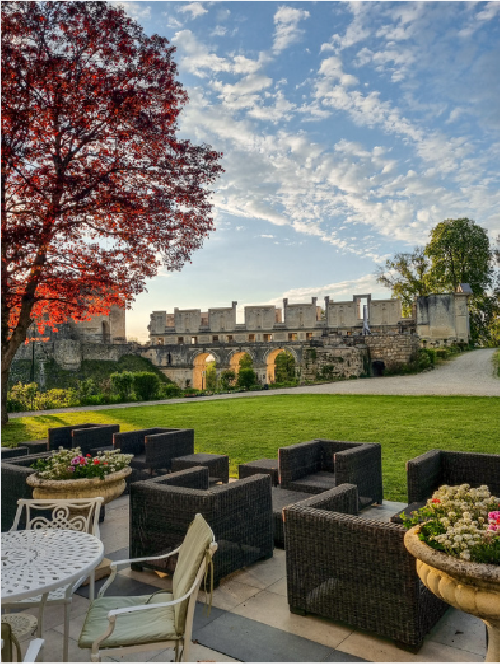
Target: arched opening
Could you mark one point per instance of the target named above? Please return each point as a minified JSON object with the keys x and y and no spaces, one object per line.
{"x":234,"y":362}
{"x":271,"y":371}
{"x":200,"y":366}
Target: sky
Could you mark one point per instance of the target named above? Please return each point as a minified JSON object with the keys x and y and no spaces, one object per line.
{"x":348,"y":131}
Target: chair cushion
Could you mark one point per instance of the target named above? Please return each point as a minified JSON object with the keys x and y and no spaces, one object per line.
{"x":314,"y":483}
{"x":191,"y":553}
{"x":135,"y":628}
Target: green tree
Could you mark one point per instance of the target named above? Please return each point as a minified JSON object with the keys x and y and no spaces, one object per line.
{"x":284,"y":364}
{"x":408,"y":276}
{"x":211,"y":376}
{"x":246,"y":377}
{"x":227,"y":378}
{"x":459,"y":251}
{"x":246,"y":361}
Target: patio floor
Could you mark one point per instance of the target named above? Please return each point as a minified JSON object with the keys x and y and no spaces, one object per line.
{"x":250,"y":619}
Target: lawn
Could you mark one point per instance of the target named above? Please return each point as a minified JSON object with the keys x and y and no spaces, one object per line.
{"x":255,"y":427}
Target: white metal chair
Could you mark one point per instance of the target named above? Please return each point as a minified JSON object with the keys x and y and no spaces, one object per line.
{"x":115,"y":626}
{"x":10,"y":644}
{"x":80,"y":514}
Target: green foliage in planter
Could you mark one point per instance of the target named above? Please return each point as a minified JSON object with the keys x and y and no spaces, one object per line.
{"x":246,"y":377}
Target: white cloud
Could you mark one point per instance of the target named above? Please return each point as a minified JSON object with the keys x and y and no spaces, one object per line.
{"x":139,"y":11}
{"x":355,"y":32}
{"x":218,"y":31}
{"x":287,"y":31}
{"x":194,"y":8}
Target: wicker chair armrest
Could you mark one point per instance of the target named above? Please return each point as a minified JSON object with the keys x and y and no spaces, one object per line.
{"x":343,"y":499}
{"x":423,"y":475}
{"x":296,"y":461}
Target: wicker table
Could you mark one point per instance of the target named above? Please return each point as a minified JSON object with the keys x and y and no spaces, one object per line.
{"x":267,"y":466}
{"x":218,"y":465}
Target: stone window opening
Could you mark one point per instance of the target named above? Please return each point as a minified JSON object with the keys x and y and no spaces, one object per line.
{"x":180,"y":340}
{"x":215,"y":337}
{"x":292,"y":336}
{"x":229,"y":338}
{"x":268,"y":337}
{"x":194,"y":340}
{"x":251,"y":337}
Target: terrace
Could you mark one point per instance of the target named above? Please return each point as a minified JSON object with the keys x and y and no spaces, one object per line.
{"x":250,"y":618}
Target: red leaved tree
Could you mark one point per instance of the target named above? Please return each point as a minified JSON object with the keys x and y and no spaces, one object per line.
{"x":97,"y":190}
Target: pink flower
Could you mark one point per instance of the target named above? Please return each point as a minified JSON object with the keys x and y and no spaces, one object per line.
{"x":75,"y":461}
{"x":493,"y":527}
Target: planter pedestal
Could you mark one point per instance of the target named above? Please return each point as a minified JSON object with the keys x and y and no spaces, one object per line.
{"x":471,"y":587}
{"x":111,"y":487}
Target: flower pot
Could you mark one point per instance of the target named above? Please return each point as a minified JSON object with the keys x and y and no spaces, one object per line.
{"x":470,"y":587}
{"x":109,"y":488}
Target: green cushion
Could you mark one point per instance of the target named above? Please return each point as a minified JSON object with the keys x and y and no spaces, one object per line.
{"x":191,"y":553}
{"x":139,"y":627}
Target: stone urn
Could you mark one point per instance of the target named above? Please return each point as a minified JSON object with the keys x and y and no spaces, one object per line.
{"x":111,"y":487}
{"x":471,"y":587}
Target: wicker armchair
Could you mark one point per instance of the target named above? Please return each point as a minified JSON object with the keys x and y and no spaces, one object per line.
{"x":239,"y":513}
{"x":154,"y":448}
{"x":14,"y":473}
{"x":428,"y":472}
{"x":355,"y":570}
{"x":320,"y":465}
{"x":86,"y":436}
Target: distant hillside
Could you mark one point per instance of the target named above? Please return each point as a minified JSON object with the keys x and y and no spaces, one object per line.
{"x":97,"y":370}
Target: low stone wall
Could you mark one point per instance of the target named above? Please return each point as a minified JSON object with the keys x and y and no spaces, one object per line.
{"x":333,"y":362}
{"x":393,"y":350}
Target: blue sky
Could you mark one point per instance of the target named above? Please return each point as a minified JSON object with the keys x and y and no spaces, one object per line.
{"x":349,"y":130}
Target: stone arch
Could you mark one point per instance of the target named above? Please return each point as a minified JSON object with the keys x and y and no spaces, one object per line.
{"x":234,"y":360}
{"x":199,"y":369}
{"x":270,"y":357}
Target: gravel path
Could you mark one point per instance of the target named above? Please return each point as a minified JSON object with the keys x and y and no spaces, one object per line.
{"x":470,"y":374}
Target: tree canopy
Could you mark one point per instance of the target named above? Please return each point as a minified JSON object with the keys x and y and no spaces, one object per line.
{"x":458,"y":252}
{"x":97,"y":190}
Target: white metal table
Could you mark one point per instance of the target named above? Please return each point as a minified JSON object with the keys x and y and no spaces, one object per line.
{"x":34,"y":562}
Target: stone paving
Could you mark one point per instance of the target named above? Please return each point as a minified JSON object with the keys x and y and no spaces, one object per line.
{"x":250,"y":619}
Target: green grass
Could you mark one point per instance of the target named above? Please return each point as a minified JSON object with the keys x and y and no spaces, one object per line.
{"x":254,"y":428}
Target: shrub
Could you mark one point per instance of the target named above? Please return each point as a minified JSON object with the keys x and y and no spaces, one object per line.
{"x":146,"y":385}
{"x":122,"y":383}
{"x":170,"y":391}
{"x":246,"y":377}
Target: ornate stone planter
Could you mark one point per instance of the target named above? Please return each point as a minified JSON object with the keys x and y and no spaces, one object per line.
{"x":112,"y":486}
{"x":470,"y":587}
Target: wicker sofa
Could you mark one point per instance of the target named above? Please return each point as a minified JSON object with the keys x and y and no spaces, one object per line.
{"x":355,"y":570}
{"x":154,"y":448}
{"x":239,"y":513}
{"x":320,"y":465}
{"x":426,"y":473}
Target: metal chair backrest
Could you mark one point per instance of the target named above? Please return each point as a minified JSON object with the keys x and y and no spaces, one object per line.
{"x":66,"y":514}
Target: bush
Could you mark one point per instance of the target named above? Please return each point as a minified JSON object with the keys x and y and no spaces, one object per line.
{"x":146,"y":385}
{"x":122,"y":383}
{"x":246,"y":377}
{"x":170,"y":391}
{"x":442,"y":353}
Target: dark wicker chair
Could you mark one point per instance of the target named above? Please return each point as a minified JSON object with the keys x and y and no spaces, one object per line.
{"x":154,"y":448}
{"x":14,"y":473}
{"x":239,"y":513}
{"x":87,"y":436}
{"x":426,"y":473}
{"x":10,"y":452}
{"x":320,"y":465}
{"x":355,"y":570}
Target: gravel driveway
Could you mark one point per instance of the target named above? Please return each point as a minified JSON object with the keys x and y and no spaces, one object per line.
{"x":470,"y":374}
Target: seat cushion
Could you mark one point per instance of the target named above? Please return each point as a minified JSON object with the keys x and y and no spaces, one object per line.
{"x":314,"y":483}
{"x":135,"y":628}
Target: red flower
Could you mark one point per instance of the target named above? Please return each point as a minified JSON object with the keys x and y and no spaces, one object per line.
{"x":436,"y":500}
{"x":105,"y":463}
{"x":96,"y":462}
{"x":88,"y":455}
